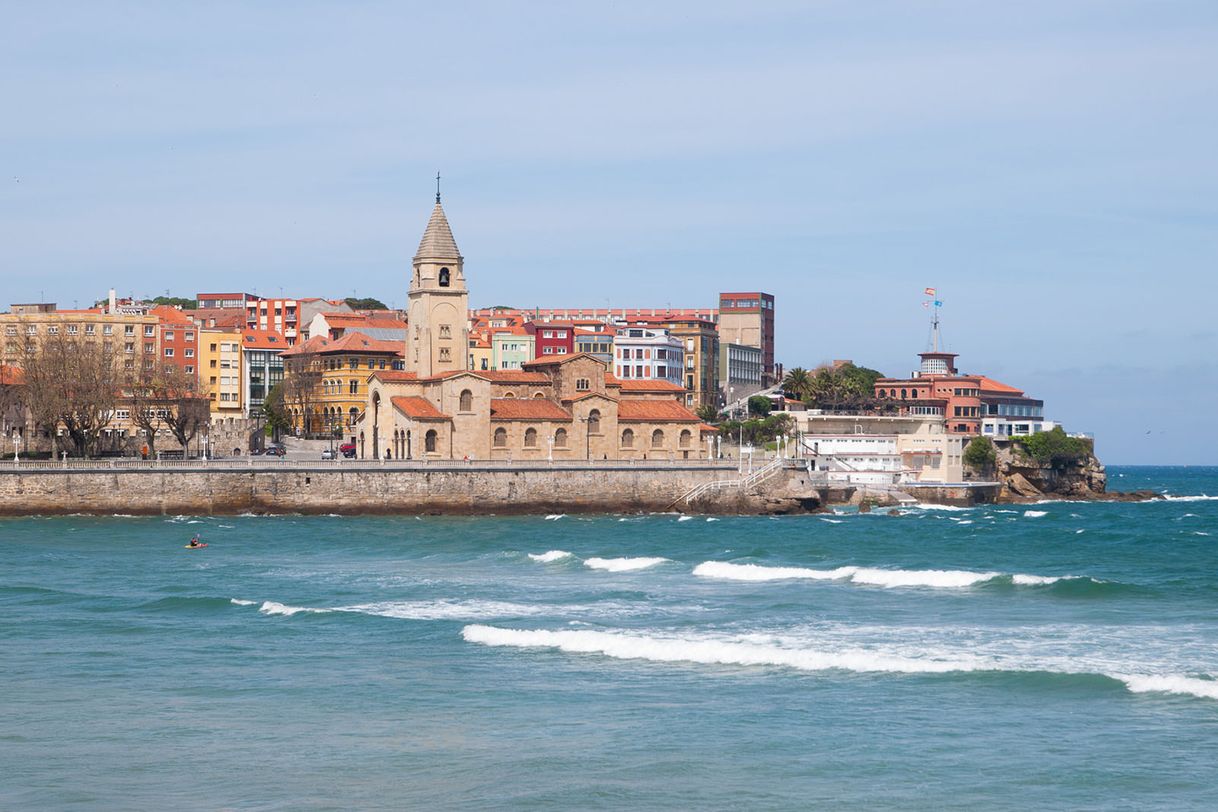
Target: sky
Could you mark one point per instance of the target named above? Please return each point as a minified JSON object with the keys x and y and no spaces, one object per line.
{"x":1049,"y":167}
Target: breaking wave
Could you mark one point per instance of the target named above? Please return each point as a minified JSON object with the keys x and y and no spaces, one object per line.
{"x":938,"y":579}
{"x":550,"y":556}
{"x":623,"y":564}
{"x":1035,"y":514}
{"x":274,"y":608}
{"x":710,"y":651}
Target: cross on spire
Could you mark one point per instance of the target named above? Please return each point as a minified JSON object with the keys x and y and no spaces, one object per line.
{"x":437,"y":186}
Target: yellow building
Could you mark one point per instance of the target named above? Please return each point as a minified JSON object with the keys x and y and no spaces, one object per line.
{"x":220,"y":372}
{"x":326,"y":380}
{"x":134,"y":338}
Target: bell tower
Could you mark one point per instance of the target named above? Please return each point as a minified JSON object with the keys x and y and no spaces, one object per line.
{"x":437,"y":337}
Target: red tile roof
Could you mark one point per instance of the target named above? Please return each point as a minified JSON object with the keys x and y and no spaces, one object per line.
{"x":348,"y":343}
{"x":551,"y":360}
{"x":991,"y":385}
{"x":263,"y":340}
{"x":527,"y":409}
{"x":170,"y":315}
{"x":655,"y":411}
{"x":395,"y":375}
{"x":644,"y":385}
{"x":357,"y":320}
{"x":418,"y":408}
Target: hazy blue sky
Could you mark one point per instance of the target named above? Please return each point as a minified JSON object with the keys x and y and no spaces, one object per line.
{"x":1050,"y":167}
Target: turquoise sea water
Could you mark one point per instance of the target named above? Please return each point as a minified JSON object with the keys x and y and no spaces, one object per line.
{"x":1059,"y":656}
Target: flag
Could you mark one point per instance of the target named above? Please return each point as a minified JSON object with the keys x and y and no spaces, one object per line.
{"x":938,"y":303}
{"x":926,"y":305}
{"x":929,"y":291}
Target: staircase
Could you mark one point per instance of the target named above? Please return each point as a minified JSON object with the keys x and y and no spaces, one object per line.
{"x":743,"y":484}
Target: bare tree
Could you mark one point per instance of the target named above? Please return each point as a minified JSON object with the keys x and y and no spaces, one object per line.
{"x":168,"y":398}
{"x":302,"y":374}
{"x":71,"y":384}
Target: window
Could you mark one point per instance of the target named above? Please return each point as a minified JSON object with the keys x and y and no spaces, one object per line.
{"x":53,"y":330}
{"x":353,"y":387}
{"x":594,"y":421}
{"x":149,"y":348}
{"x":657,"y":439}
{"x":189,"y":352}
{"x":122,"y":414}
{"x":107,"y":330}
{"x":73,"y":329}
{"x":501,"y":438}
{"x":445,"y":331}
{"x":686,"y":438}
{"x":560,"y":438}
{"x":190,"y":336}
{"x":189,"y":368}
{"x":429,"y":441}
{"x":547,"y":350}
{"x":530,"y":438}
{"x":547,"y":333}
{"x":444,"y":277}
{"x":168,"y":334}
{"x":169,"y":352}
{"x":128,"y":329}
{"x":582,"y":385}
{"x":445,"y":354}
{"x":467,"y":401}
{"x":149,"y":330}
{"x":628,"y":439}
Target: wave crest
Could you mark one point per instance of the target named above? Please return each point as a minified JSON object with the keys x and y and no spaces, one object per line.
{"x":623,"y":564}
{"x":550,"y":556}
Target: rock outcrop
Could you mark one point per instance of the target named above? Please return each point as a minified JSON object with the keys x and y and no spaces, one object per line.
{"x":1024,"y":478}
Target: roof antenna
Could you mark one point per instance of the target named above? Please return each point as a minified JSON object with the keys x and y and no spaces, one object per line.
{"x":437,"y":186}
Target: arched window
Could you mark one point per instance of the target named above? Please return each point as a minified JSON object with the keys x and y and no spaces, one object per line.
{"x":657,"y":439}
{"x":501,"y":438}
{"x":467,"y":400}
{"x":686,"y":438}
{"x":582,"y":385}
{"x":539,"y":395}
{"x":560,"y":438}
{"x":444,"y":277}
{"x":902,"y":394}
{"x":628,"y":438}
{"x":594,"y":421}
{"x":530,"y":438}
{"x":429,"y":441}
{"x":509,"y":394}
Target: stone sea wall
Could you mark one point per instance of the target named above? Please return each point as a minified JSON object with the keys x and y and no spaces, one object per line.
{"x":461,"y":490}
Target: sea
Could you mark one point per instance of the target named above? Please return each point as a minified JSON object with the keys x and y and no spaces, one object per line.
{"x":1058,"y":655}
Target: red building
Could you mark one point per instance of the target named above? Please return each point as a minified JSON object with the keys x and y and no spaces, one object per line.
{"x":177,"y":340}
{"x":551,"y":337}
{"x":937,"y":389}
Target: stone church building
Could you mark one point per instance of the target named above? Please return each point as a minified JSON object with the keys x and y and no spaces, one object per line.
{"x":560,"y":407}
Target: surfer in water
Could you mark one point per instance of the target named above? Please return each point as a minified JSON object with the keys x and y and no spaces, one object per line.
{"x":194,"y":542}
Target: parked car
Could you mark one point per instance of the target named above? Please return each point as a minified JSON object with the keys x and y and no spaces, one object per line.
{"x":327,"y":454}
{"x":275,"y":451}
{"x":347,"y":450}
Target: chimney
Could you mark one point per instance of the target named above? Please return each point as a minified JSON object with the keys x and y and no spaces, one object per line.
{"x":113,"y":302}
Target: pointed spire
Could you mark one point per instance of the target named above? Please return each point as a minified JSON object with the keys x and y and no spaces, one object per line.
{"x":438,"y":242}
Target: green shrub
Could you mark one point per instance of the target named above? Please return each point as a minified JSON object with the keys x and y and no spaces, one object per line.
{"x":1055,"y":447}
{"x":980,"y":453}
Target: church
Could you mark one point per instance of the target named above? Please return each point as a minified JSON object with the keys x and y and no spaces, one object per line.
{"x":567,"y":407}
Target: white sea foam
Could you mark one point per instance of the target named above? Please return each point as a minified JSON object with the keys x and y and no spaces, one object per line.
{"x":714,"y":652}
{"x":1020,"y":579}
{"x":964,"y":521}
{"x":1199,"y":498}
{"x":1079,"y":532}
{"x":273,"y":608}
{"x":761,"y":650}
{"x":1170,"y":684}
{"x":445,"y":609}
{"x":1035,"y":514}
{"x":239,"y":602}
{"x":928,"y":506}
{"x":943,"y":579}
{"x":553,"y":517}
{"x":757,"y":572}
{"x":1200,"y":533}
{"x":623,"y":564}
{"x":550,"y":556}
{"x":832,"y":521}
{"x":711,"y":519}
{"x":684,"y":518}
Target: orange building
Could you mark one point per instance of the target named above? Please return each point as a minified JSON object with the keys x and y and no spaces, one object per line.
{"x":937,"y":389}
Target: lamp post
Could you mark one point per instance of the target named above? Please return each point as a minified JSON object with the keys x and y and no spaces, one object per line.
{"x":16,"y":438}
{"x":550,"y":443}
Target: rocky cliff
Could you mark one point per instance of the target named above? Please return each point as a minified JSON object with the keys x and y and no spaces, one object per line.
{"x":1024,"y":478}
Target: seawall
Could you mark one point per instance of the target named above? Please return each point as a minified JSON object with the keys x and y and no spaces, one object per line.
{"x":366,"y":488}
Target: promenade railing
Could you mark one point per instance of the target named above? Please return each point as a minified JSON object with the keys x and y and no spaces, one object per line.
{"x":256,"y":463}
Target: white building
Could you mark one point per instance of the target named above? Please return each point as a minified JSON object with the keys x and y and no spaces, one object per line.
{"x":647,"y":353}
{"x":864,"y":449}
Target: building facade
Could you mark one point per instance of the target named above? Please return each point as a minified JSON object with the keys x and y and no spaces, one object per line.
{"x":221,"y":373}
{"x":551,"y":338}
{"x":748,"y":319}
{"x":262,"y":367}
{"x":647,"y":353}
{"x":566,"y":406}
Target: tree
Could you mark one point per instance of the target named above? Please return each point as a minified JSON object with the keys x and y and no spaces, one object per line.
{"x":758,"y":431}
{"x":1055,"y":447}
{"x":980,"y":454}
{"x":707,"y":413}
{"x":845,"y":386}
{"x":365,"y":304}
{"x":71,"y":384}
{"x":171,"y":398}
{"x":760,"y":405}
{"x":798,"y":383}
{"x":275,"y":411}
{"x":302,"y":378}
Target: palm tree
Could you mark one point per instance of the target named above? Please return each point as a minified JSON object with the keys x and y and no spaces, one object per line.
{"x":798,"y":383}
